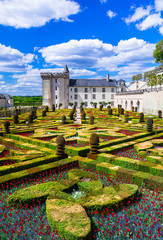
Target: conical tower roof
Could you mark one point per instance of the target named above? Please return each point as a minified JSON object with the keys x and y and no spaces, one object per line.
{"x":66,"y":69}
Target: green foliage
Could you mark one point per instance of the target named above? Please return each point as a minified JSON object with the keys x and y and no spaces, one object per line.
{"x":158,"y":52}
{"x":27,"y":100}
{"x":137,"y":77}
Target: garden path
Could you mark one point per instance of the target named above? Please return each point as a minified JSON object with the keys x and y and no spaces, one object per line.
{"x":77,"y":116}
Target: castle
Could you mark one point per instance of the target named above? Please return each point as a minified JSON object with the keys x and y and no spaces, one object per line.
{"x":58,"y":88}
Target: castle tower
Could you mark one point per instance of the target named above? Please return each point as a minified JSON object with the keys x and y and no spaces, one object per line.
{"x":55,"y":88}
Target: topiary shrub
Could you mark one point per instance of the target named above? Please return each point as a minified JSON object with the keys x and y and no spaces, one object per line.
{"x":71,"y":115}
{"x":126,"y":117}
{"x":91,"y":119}
{"x":121,"y":111}
{"x":6,"y":126}
{"x":44,"y":113}
{"x":101,"y":107}
{"x":63,"y":119}
{"x":136,"y":109}
{"x":132,"y":109}
{"x":109,"y":111}
{"x":16,"y":118}
{"x":94,"y":142}
{"x":160,"y":114}
{"x":46,"y":108}
{"x":60,"y":147}
{"x":53,"y":108}
{"x":141,"y":117}
{"x":30,"y":118}
{"x":83,"y":115}
{"x":150,"y":124}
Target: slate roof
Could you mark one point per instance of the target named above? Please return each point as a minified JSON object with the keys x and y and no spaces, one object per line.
{"x":92,"y":83}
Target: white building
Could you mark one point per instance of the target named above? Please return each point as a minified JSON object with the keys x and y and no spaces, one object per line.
{"x":59,"y":88}
{"x":147,"y":99}
{"x":6,"y":100}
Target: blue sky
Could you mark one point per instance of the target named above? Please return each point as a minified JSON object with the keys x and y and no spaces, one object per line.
{"x":92,"y":37}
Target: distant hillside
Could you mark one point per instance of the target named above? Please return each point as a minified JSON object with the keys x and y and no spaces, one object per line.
{"x":27,"y":100}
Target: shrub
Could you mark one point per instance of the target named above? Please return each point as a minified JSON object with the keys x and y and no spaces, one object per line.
{"x":6,"y":126}
{"x":141,"y":117}
{"x":149,"y":124}
{"x":101,"y":106}
{"x":94,"y":142}
{"x":136,"y":109}
{"x":16,"y":119}
{"x":44,"y":113}
{"x":91,"y":119}
{"x":71,"y":115}
{"x":109,"y":111}
{"x":46,"y":108}
{"x":53,"y":108}
{"x":160,"y":114}
{"x":30,"y":118}
{"x":132,"y":109}
{"x":83,"y":115}
{"x":63,"y":119}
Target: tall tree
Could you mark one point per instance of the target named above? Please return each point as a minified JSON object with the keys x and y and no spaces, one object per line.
{"x":158,"y":52}
{"x":137,"y":77}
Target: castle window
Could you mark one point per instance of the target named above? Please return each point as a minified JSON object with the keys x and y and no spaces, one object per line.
{"x":75,"y":89}
{"x":55,"y":88}
{"x":103,"y":96}
{"x":55,"y":80}
{"x":71,"y":97}
{"x":94,"y":96}
{"x":94,"y":89}
{"x":86,"y":104}
{"x":86,"y":96}
{"x":112,"y":96}
{"x":112,"y":103}
{"x":56,"y":97}
{"x":86,"y":90}
{"x":103,"y":89}
{"x":76,"y":104}
{"x":71,"y":89}
{"x":76,"y":96}
{"x":112,"y":89}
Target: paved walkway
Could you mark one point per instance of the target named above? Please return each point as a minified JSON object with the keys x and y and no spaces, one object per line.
{"x":77,"y":117}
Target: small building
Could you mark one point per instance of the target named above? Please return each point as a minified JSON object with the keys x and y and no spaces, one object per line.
{"x":6,"y":100}
{"x":59,"y":88}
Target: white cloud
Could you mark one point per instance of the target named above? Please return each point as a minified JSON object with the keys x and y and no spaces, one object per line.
{"x":96,"y":54}
{"x":82,"y":53}
{"x":35,"y":13}
{"x":1,"y":76}
{"x":103,"y":1}
{"x":12,"y":60}
{"x":130,"y":44}
{"x":161,"y":29}
{"x":138,"y":14}
{"x":159,"y":5}
{"x":111,"y":14}
{"x":151,"y":21}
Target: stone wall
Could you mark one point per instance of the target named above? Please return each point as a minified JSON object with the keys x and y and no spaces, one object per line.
{"x":153,"y":102}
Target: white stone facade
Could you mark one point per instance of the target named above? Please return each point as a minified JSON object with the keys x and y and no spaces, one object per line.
{"x":6,"y":100}
{"x":58,"y":88}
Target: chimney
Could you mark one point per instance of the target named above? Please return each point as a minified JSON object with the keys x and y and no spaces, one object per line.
{"x":107,"y":77}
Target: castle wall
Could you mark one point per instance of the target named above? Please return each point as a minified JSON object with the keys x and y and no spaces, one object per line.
{"x":153,"y":102}
{"x":47,"y":92}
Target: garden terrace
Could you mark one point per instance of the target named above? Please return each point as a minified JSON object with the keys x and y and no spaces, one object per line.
{"x":127,"y":154}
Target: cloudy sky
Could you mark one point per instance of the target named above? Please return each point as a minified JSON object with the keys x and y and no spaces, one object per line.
{"x":92,"y":37}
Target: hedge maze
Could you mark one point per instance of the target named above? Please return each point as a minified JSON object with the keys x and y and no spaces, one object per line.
{"x":111,"y":162}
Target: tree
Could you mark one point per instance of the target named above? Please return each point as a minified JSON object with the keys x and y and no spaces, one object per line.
{"x":137,"y":77}
{"x":152,"y":81}
{"x":158,"y":52}
{"x":150,"y":73}
{"x":60,"y":105}
{"x":70,"y":104}
{"x":160,"y":79}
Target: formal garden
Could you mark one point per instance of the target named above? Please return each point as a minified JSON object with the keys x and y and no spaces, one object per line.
{"x":101,"y":179}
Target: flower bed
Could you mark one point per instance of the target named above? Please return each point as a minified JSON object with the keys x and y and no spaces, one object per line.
{"x":76,"y":144}
{"x":136,"y":220}
{"x":127,"y":132}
